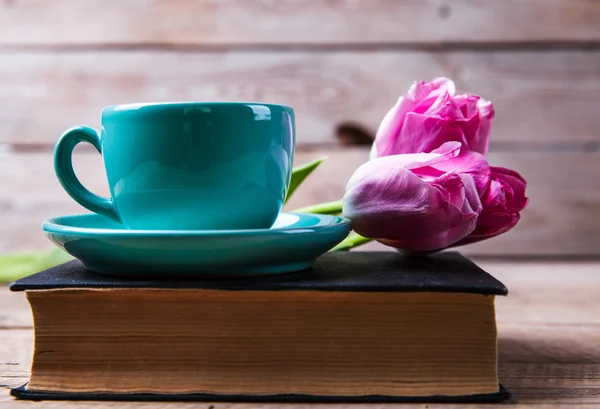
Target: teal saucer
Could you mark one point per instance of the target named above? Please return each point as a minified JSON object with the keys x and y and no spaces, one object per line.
{"x":105,"y":246}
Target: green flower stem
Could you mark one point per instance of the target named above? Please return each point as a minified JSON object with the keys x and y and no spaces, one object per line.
{"x":323,"y":208}
{"x":300,"y":173}
{"x":353,"y":240}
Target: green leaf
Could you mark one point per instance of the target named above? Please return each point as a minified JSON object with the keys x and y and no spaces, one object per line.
{"x":352,"y":241}
{"x":323,"y":208}
{"x":300,"y":173}
{"x":18,"y":265}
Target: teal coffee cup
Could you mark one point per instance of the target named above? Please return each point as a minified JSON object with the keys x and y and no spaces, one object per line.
{"x":187,"y":166}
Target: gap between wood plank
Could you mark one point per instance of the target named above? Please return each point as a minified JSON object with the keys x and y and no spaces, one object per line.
{"x":329,"y":47}
{"x":563,"y":147}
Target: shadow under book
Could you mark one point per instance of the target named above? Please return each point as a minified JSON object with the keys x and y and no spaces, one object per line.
{"x":358,"y":327}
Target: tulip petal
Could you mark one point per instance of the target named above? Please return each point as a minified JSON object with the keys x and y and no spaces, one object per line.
{"x":470,"y":123}
{"x":467,"y":104}
{"x":423,"y":133}
{"x":516,"y":182}
{"x":426,"y":94}
{"x":411,"y":161}
{"x":391,"y":125}
{"x":447,"y":151}
{"x":390,"y":128}
{"x":502,"y":203}
{"x":478,"y":114}
{"x":470,"y":163}
{"x":480,"y":142}
{"x":439,"y":102}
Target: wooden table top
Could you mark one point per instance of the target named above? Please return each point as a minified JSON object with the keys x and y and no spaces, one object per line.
{"x":549,"y":341}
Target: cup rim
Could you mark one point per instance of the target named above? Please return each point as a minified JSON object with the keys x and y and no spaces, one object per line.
{"x":137,"y":106}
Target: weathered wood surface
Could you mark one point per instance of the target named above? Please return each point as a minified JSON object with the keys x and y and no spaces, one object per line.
{"x":543,"y":99}
{"x":562,"y":218}
{"x":549,"y":332}
{"x":213,"y":22}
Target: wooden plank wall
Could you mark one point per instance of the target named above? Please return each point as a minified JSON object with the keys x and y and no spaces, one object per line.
{"x":335,"y":62}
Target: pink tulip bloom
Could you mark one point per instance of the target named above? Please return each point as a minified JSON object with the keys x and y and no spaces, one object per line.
{"x":429,"y":115}
{"x":418,"y":201}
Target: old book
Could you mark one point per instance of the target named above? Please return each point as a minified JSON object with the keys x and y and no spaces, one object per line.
{"x":373,"y":327}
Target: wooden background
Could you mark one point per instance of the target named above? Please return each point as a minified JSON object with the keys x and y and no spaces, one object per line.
{"x":336,"y":62}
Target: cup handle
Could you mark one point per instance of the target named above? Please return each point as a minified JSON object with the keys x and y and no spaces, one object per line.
{"x":63,"y":165}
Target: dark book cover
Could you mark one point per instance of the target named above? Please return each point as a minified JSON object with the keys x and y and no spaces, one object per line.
{"x":335,"y":271}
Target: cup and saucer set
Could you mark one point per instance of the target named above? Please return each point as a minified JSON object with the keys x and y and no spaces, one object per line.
{"x":196,"y":190}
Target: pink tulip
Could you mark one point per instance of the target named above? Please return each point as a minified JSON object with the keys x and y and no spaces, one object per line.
{"x":418,"y":201}
{"x":429,"y":115}
{"x":448,"y":197}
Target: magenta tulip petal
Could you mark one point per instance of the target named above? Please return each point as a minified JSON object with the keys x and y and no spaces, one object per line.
{"x":413,"y":160}
{"x":392,"y":124}
{"x":502,"y":204}
{"x":444,"y":153}
{"x":481,"y":140}
{"x":443,"y":106}
{"x":390,"y":127}
{"x":422,"y":133}
{"x":428,"y":95}
{"x":518,"y":201}
{"x":467,"y":104}
{"x":470,"y":163}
